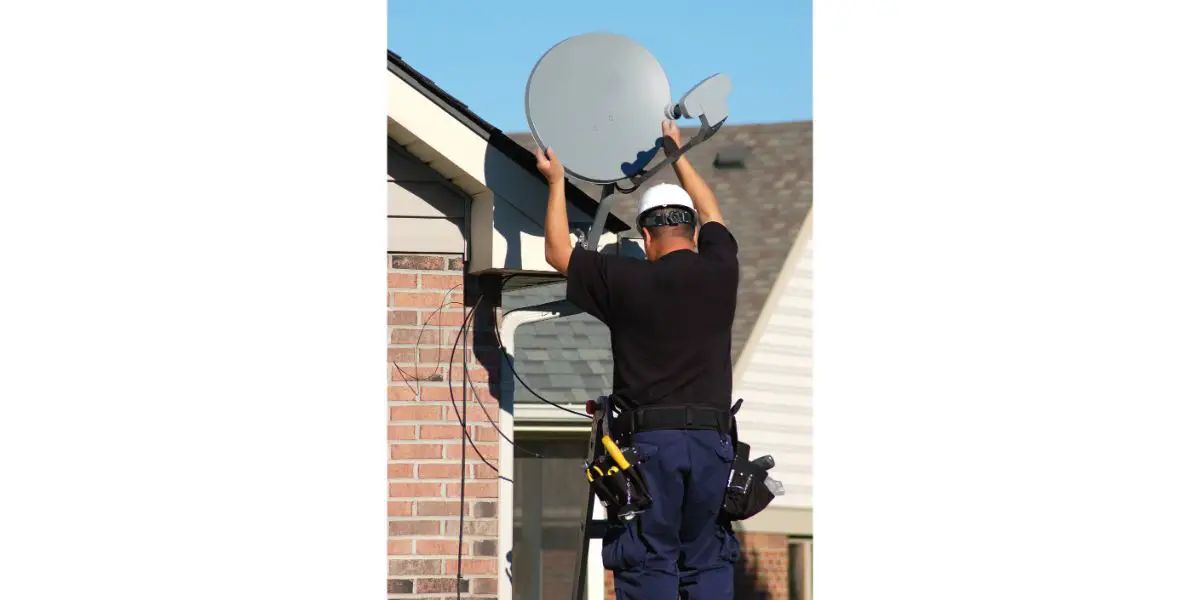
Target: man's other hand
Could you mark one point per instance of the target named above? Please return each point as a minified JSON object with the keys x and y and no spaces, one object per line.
{"x":671,"y":136}
{"x":549,"y":166}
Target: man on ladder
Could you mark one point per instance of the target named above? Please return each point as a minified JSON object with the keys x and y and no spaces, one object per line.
{"x":670,"y":320}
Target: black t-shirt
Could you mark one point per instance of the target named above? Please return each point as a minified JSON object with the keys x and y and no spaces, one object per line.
{"x":670,"y":320}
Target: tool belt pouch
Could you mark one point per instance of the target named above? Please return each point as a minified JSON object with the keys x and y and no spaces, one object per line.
{"x":622,"y":491}
{"x":746,"y":493}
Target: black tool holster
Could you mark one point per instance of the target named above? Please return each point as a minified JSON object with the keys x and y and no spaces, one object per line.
{"x":614,"y":469}
{"x":746,"y":493}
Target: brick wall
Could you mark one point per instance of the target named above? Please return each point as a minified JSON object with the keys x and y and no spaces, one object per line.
{"x":426,"y":298}
{"x":761,"y":574}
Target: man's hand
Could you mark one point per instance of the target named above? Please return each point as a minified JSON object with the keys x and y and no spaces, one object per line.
{"x":549,"y":166}
{"x":702,"y":196}
{"x":671,"y":141}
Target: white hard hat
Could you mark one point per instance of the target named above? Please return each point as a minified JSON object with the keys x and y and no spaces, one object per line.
{"x":664,"y":194}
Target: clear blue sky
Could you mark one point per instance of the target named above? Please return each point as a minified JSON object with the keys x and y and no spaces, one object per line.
{"x":481,"y":51}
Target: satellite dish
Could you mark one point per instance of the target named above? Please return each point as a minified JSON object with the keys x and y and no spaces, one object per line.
{"x":599,"y":99}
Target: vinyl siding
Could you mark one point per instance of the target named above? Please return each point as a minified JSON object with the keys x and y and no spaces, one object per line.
{"x":776,"y":384}
{"x":426,"y":213}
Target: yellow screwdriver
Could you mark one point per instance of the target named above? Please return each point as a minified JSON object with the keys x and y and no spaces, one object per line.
{"x":614,"y":452}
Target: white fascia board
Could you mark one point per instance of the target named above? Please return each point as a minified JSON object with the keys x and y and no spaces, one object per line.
{"x":442,"y":132}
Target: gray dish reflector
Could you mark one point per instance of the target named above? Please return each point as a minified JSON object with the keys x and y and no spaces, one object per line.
{"x":598,"y":101}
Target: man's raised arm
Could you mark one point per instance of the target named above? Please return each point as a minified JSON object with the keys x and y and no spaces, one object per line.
{"x":558,"y":236}
{"x":693,"y":184}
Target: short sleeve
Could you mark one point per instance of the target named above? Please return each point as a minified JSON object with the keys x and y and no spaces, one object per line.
{"x":589,"y":279}
{"x":717,"y":243}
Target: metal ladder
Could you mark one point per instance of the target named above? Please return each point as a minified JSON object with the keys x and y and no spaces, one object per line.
{"x":590,"y":528}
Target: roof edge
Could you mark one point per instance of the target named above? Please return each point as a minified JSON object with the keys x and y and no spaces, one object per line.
{"x":496,"y":138}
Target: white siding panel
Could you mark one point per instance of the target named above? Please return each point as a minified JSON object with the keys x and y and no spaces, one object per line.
{"x":424,"y":200}
{"x":416,"y":190}
{"x":776,"y":384}
{"x":425,"y":235}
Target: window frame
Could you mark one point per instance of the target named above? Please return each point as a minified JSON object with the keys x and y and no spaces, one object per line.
{"x":532,"y":418}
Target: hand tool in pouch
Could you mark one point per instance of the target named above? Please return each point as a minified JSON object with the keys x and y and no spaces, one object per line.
{"x":615,"y":474}
{"x":749,"y":489}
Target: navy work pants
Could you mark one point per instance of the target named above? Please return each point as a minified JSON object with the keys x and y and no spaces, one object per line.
{"x":680,"y":547}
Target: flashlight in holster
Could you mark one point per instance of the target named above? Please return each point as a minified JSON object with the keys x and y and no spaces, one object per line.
{"x":617,"y":480}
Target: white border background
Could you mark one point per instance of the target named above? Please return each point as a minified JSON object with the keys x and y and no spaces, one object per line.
{"x":191,"y":326}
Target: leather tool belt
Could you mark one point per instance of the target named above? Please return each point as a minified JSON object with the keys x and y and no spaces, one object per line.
{"x":614,"y":472}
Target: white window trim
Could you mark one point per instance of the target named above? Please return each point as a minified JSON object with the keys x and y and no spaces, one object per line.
{"x":546,"y":417}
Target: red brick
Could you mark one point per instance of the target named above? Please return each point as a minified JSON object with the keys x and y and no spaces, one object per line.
{"x":399,"y":586}
{"x":418,"y":262}
{"x":406,"y":528}
{"x":424,"y":299}
{"x":429,"y":586}
{"x":481,"y":471}
{"x":439,"y":471}
{"x":449,"y":335}
{"x":402,"y":317}
{"x":441,"y":355}
{"x":402,"y":280}
{"x":472,"y":566}
{"x":489,"y":451}
{"x":414,"y":335}
{"x":489,"y":527}
{"x":478,"y":375}
{"x":440,"y":393}
{"x":440,"y":432}
{"x":403,"y":451}
{"x":400,"y":470}
{"x":488,"y":489}
{"x":405,"y":357}
{"x":455,"y":264}
{"x":430,"y":281}
{"x":483,"y":391}
{"x":400,"y":547}
{"x":400,"y":509}
{"x":485,"y":509}
{"x":436,"y":508}
{"x":418,"y":373}
{"x":483,"y":585}
{"x":434,"y":547}
{"x":486,"y":433}
{"x":477,"y":414}
{"x":415,"y":567}
{"x":401,"y":392}
{"x":402,"y":432}
{"x":415,"y":490}
{"x":416,"y":413}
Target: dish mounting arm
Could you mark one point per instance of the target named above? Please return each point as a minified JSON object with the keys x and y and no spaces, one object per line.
{"x":708,"y":101}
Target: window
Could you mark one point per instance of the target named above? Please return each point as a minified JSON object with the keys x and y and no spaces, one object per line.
{"x":800,"y":568}
{"x":550,"y":497}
